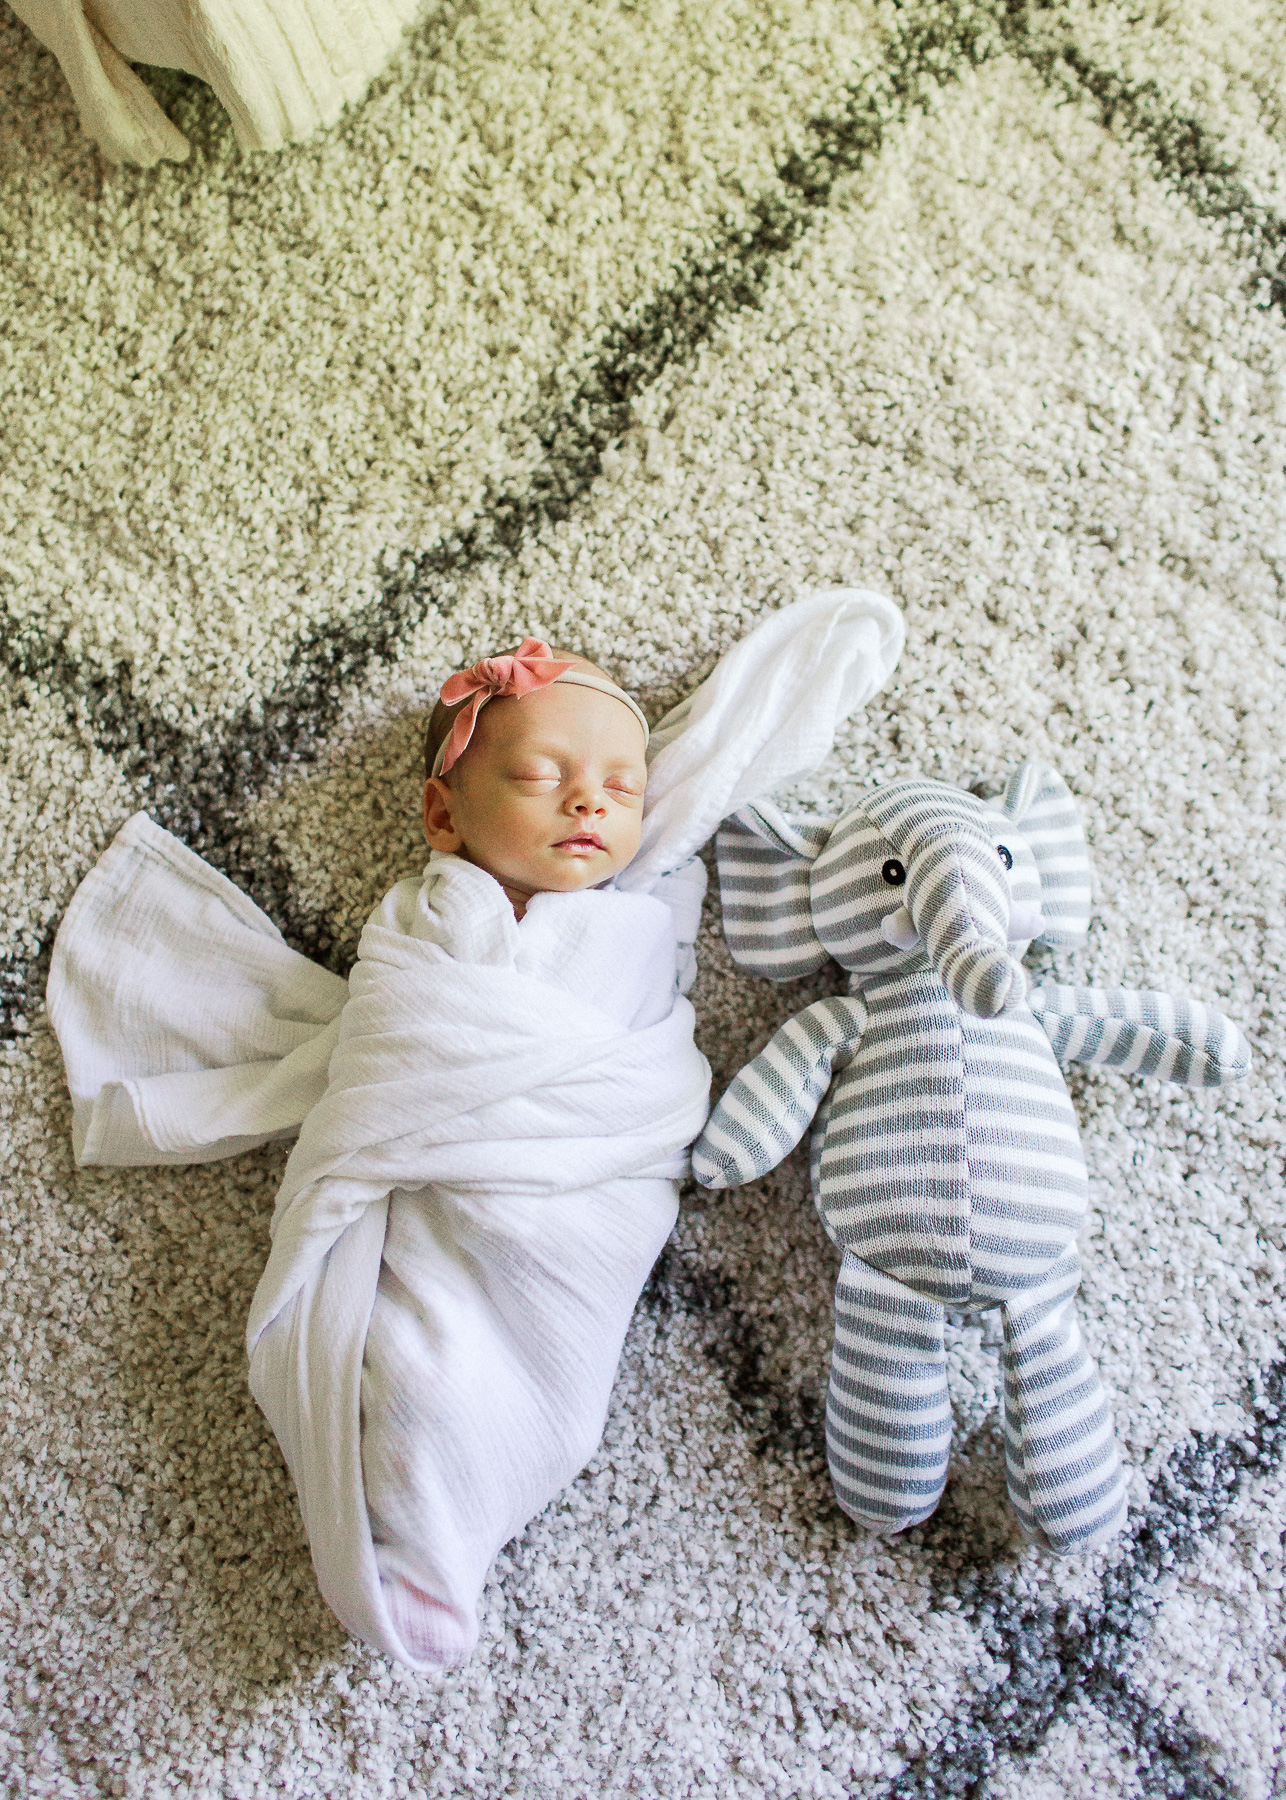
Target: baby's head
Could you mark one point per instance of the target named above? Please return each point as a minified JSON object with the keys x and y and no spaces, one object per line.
{"x":535,"y":772}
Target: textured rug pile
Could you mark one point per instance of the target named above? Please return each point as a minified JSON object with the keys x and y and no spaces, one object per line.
{"x":621,"y":323}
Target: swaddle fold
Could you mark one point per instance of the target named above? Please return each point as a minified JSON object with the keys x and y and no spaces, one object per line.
{"x":521,"y":1096}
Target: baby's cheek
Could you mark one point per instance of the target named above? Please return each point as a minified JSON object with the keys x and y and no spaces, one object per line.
{"x":625,"y":843}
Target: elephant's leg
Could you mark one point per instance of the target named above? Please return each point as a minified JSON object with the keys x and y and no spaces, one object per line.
{"x":1065,"y":1480}
{"x":888,"y":1417}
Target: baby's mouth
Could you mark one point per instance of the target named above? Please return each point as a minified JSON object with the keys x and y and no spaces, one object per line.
{"x":583,"y":840}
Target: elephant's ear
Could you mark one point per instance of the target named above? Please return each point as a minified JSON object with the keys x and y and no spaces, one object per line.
{"x":1041,"y":805}
{"x":764,"y":860}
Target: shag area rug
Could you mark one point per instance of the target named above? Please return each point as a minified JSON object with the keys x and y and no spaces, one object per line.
{"x":621,"y":322}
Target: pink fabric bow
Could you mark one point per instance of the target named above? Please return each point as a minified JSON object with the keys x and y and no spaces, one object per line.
{"x":532,"y":666}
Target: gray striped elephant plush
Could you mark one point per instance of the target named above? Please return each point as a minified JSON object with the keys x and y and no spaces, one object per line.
{"x":946,"y":1161}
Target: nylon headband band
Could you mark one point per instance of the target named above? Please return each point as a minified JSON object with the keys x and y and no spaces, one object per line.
{"x":576,"y":679}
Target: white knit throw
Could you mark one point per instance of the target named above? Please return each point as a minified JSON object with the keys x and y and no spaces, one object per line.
{"x":281,"y":68}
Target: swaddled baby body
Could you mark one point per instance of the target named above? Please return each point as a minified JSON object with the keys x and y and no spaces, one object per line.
{"x":492,"y":1112}
{"x":535,"y":777}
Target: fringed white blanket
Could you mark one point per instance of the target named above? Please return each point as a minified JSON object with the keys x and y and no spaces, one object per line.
{"x":492,"y":1118}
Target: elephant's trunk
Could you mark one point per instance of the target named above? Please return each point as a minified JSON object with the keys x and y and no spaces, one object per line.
{"x":958,"y":898}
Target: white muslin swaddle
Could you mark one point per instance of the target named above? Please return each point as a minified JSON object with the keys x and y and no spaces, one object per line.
{"x":492,"y":1119}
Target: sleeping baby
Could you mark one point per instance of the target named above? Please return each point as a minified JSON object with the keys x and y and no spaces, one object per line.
{"x":492,"y":1113}
{"x":536,"y":775}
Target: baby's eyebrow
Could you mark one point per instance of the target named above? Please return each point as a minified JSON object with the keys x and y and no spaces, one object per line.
{"x":537,"y":753}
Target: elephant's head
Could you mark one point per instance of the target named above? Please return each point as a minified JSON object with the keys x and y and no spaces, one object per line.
{"x":917,"y":874}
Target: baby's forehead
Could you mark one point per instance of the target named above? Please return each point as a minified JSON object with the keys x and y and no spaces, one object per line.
{"x":560,"y":716}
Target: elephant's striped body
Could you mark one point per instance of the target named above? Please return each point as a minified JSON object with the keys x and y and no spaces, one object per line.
{"x":950,"y":1158}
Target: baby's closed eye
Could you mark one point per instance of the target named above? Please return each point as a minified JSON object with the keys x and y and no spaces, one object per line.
{"x":541,"y":776}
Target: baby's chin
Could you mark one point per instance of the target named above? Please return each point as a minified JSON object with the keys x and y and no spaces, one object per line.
{"x":564,"y":874}
{"x":551,"y":873}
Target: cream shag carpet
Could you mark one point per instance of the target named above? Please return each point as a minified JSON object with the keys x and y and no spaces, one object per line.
{"x":621,"y":323}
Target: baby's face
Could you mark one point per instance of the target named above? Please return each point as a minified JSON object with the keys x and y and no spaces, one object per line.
{"x":548,"y":796}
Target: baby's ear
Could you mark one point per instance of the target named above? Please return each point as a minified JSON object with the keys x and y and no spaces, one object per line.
{"x":439,"y":824}
{"x":764,"y":861}
{"x":1042,"y":806}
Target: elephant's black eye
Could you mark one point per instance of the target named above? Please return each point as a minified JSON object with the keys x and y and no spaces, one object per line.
{"x":1002,"y":851}
{"x":893,"y":872}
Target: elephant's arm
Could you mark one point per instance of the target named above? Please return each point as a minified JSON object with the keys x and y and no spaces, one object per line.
{"x":768,"y":1107}
{"x":1142,"y":1033}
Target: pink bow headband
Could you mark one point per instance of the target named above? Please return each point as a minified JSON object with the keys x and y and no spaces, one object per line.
{"x":532,"y":666}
